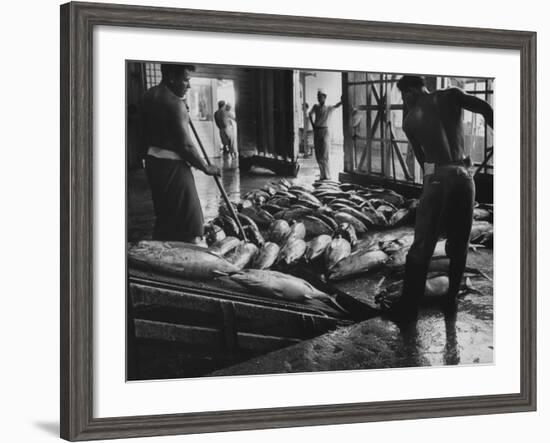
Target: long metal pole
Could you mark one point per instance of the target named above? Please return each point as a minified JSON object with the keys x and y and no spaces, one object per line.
{"x":219,"y":183}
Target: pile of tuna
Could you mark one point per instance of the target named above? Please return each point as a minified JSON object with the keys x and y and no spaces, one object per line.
{"x":339,"y":230}
{"x":342,"y":229}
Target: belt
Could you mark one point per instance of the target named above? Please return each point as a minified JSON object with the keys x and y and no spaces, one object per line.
{"x":153,"y":151}
{"x":430,"y":168}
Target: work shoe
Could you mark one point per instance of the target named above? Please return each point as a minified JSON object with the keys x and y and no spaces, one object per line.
{"x":405,"y":309}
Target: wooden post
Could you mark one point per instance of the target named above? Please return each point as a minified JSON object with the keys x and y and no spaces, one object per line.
{"x":349,"y":152}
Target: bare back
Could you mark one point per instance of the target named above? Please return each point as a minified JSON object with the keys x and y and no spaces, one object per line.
{"x":163,"y":115}
{"x":435,"y":123}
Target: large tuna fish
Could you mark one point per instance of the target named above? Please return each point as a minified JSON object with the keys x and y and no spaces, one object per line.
{"x":278,"y":231}
{"x":483,"y":214}
{"x":284,"y":182}
{"x":386,"y":210}
{"x":225,"y":246}
{"x":228,"y":225}
{"x":242,"y":255}
{"x":184,"y":260}
{"x":284,"y":202}
{"x":293,"y":250}
{"x":344,"y":217}
{"x":322,"y":194}
{"x":266,"y":256}
{"x":301,"y":188}
{"x":338,"y":249}
{"x":389,"y":196}
{"x":400,"y":217}
{"x":325,"y":181}
{"x":361,"y":216}
{"x":436,"y":288}
{"x":357,"y":263}
{"x":272,"y":209}
{"x":254,"y":235}
{"x":308,"y":197}
{"x":286,"y":194}
{"x":346,"y":202}
{"x":317,"y":246}
{"x":297,"y":230}
{"x":482,"y":233}
{"x":293,"y":212}
{"x":377,"y":217}
{"x":246,"y":220}
{"x":315,"y":226}
{"x":327,"y":218}
{"x":260,"y":217}
{"x":346,"y":231}
{"x":278,"y":285}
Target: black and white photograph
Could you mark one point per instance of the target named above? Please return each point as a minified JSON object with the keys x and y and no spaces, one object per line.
{"x":301,"y":220}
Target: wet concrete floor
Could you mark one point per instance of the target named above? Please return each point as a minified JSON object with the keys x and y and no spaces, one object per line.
{"x":141,"y":217}
{"x":466,"y":338}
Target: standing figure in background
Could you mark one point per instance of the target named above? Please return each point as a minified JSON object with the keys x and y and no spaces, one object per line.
{"x":170,"y":155}
{"x":433,"y":126}
{"x":224,"y":121}
{"x":321,"y":135}
{"x":220,"y":123}
{"x":232,"y":130}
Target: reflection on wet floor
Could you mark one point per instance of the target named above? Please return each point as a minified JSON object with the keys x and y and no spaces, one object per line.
{"x":140,"y":206}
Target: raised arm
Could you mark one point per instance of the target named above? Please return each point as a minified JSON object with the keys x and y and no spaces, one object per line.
{"x":474,"y":104}
{"x":187,"y":148}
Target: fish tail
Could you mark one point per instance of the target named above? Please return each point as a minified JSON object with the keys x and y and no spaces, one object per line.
{"x":338,"y":305}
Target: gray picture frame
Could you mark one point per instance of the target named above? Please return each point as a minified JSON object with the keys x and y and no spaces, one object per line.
{"x":77,"y":23}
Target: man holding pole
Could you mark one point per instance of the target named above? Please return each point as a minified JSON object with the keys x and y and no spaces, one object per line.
{"x":433,"y":126}
{"x":170,"y":155}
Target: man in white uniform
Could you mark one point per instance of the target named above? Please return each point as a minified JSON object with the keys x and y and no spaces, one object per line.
{"x":321,"y":135}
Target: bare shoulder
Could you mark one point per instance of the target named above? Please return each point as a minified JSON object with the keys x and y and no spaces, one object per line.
{"x":175,"y":104}
{"x":452,"y":93}
{"x":451,"y":96}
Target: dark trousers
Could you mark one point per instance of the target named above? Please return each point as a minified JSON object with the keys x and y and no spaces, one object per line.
{"x":177,"y":206}
{"x":321,"y":143}
{"x":446,"y":205}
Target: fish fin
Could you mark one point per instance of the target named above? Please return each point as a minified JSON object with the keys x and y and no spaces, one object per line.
{"x":227,"y":274}
{"x":470,"y":287}
{"x":483,"y":274}
{"x":475,"y":246}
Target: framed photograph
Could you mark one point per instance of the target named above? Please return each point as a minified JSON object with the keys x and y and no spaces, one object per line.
{"x":272,"y":221}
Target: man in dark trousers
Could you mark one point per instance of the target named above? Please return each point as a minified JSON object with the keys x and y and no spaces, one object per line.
{"x":170,"y":155}
{"x":321,"y":135}
{"x":433,"y":125}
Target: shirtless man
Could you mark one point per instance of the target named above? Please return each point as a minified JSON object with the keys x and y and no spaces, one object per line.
{"x":321,"y":136}
{"x":433,"y":125}
{"x":170,"y":155}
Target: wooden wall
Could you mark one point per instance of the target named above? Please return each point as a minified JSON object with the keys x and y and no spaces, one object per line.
{"x":264,"y":107}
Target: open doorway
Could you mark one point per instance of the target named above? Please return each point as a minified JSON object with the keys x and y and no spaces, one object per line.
{"x":203,"y":98}
{"x":310,"y":82}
